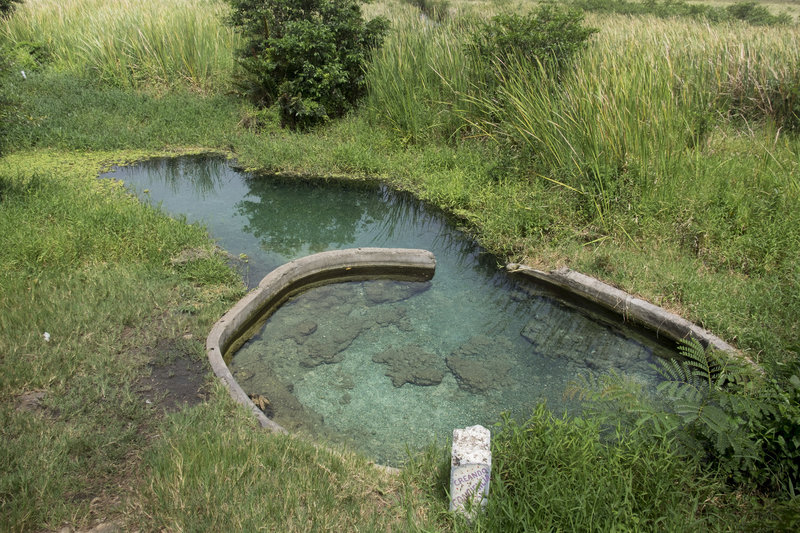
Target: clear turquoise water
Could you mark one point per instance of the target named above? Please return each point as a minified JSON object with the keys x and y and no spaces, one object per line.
{"x":387,"y":366}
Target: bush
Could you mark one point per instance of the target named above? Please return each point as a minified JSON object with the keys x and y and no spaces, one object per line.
{"x":6,"y":6}
{"x":757,"y":15}
{"x":307,"y":56}
{"x":548,"y":35}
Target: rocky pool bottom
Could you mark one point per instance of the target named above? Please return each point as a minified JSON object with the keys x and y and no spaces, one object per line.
{"x":387,"y":366}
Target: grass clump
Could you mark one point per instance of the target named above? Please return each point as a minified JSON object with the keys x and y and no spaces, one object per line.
{"x":131,"y":44}
{"x":749,"y":12}
{"x":236,"y":478}
{"x":559,"y":474}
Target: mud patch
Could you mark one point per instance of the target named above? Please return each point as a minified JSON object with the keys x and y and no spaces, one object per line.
{"x":177,"y":380}
{"x":31,"y":402}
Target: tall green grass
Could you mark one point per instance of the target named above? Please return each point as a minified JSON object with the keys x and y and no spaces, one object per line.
{"x":415,"y":80}
{"x":129,"y":43}
{"x":672,"y":135}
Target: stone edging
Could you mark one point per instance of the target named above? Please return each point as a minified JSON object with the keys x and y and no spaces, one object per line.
{"x":630,"y":308}
{"x":281,"y":283}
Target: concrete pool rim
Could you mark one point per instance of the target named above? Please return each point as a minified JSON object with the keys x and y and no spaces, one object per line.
{"x":412,"y":264}
{"x":293,"y":277}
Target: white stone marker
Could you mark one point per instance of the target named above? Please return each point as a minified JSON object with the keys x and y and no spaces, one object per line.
{"x":470,"y":469}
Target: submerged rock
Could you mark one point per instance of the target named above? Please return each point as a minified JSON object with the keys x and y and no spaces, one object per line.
{"x":411,"y":364}
{"x":319,"y":301}
{"x":384,"y":291}
{"x":482,"y":363}
{"x":326,"y":346}
{"x":391,"y":316}
{"x":553,"y":332}
{"x":302,"y":331}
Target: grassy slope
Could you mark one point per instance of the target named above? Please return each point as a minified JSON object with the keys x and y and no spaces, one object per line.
{"x":85,"y":262}
{"x":78,"y":249}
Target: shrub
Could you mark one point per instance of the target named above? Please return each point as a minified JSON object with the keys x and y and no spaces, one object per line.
{"x":6,"y":6}
{"x":307,"y":56}
{"x":548,"y":35}
{"x":756,"y":15}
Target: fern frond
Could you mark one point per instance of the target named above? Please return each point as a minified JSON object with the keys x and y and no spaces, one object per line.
{"x":698,"y":361}
{"x":672,"y":390}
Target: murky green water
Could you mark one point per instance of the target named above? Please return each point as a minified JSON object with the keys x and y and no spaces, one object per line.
{"x":386,"y":365}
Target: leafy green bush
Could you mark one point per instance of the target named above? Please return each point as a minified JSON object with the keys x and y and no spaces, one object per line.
{"x":6,"y":6}
{"x":756,"y":15}
{"x":548,"y":35}
{"x":307,"y":56}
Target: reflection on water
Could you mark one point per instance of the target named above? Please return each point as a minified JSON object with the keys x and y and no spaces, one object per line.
{"x":274,"y":220}
{"x":385,"y":364}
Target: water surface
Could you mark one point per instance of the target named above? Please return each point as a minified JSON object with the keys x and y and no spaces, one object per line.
{"x":385,"y":365}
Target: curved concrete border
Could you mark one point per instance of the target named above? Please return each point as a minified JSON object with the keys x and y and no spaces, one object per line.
{"x":626,"y":305}
{"x":281,"y":283}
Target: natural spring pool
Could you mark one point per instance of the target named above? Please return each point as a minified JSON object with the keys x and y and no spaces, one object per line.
{"x":388,"y":366}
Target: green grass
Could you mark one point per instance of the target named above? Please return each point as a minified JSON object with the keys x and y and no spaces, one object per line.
{"x":67,"y":112}
{"x":212,"y":471}
{"x":555,"y":474}
{"x":131,"y":44}
{"x":85,"y":262}
{"x":664,"y":170}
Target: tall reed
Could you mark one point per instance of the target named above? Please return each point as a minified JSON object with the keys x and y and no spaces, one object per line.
{"x":416,"y":80}
{"x":131,"y":43}
{"x":622,"y":124}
